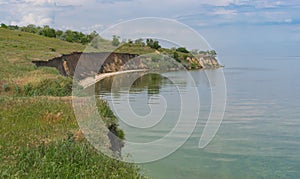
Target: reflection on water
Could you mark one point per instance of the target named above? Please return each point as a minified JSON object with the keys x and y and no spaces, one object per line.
{"x":149,"y":82}
{"x":259,"y":136}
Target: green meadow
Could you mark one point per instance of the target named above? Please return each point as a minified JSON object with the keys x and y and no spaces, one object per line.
{"x":39,"y":135}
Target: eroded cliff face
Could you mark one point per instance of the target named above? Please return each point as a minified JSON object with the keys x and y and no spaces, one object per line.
{"x":90,"y":63}
{"x":205,"y":62}
{"x":95,"y":63}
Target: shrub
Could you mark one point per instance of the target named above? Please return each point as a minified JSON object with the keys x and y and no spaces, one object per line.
{"x":115,"y":40}
{"x":5,"y":87}
{"x":153,"y":44}
{"x":52,"y":49}
{"x":18,"y":89}
{"x":28,"y":89}
{"x":4,"y":26}
{"x":182,"y":49}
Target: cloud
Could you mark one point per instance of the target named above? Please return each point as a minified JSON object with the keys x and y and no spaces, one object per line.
{"x":222,"y":11}
{"x":241,"y":12}
{"x":26,"y":12}
{"x":84,"y":14}
{"x":32,"y":18}
{"x":38,"y":12}
{"x":2,"y":2}
{"x":38,"y":2}
{"x":58,"y":2}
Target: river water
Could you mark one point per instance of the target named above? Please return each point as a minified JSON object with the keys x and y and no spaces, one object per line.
{"x":260,"y":133}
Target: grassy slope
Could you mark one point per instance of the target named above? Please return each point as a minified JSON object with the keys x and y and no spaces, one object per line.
{"x":39,"y":136}
{"x":18,"y":49}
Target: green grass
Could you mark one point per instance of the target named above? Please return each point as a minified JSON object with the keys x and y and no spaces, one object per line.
{"x":18,"y":49}
{"x":67,"y":158}
{"x":40,"y":138}
{"x":39,"y":135}
{"x":134,"y":49}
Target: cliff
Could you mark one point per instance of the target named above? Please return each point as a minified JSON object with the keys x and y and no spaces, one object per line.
{"x":90,"y":63}
{"x":95,"y":63}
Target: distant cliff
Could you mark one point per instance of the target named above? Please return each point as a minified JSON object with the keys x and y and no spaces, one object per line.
{"x":95,"y":63}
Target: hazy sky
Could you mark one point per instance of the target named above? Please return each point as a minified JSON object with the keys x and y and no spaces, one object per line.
{"x":244,"y":27}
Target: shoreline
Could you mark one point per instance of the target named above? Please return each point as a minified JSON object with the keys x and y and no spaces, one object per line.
{"x":89,"y":81}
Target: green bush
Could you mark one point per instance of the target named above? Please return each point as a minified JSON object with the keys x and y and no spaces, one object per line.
{"x":28,"y":89}
{"x":182,"y":49}
{"x":5,"y":87}
{"x":17,"y":89}
{"x":153,"y":44}
{"x":115,"y":41}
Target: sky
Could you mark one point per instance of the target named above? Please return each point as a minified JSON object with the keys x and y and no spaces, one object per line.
{"x":243,"y":27}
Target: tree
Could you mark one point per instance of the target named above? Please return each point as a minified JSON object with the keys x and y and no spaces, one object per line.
{"x":156,"y":45}
{"x":29,"y":28}
{"x":3,"y":26}
{"x":59,"y":33}
{"x":13,"y":27}
{"x":116,"y":40}
{"x":139,"y":42}
{"x":47,"y":31}
{"x":182,"y":49}
{"x":92,"y":36}
{"x":68,"y":36}
{"x":153,"y":44}
{"x":213,"y":53}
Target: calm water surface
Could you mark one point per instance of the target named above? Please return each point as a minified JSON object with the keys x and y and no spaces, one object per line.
{"x":258,"y":138}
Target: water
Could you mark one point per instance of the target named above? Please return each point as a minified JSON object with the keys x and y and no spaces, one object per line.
{"x":258,"y":138}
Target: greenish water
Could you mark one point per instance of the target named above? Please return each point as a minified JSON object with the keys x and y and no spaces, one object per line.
{"x":258,"y":138}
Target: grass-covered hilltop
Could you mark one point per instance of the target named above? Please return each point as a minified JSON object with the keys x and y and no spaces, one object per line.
{"x":39,"y":135}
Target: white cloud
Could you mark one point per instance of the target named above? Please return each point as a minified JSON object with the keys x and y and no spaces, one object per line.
{"x":32,"y":18}
{"x":58,"y":2}
{"x":84,"y":14}
{"x":38,"y":2}
{"x":72,"y":2}
{"x":222,"y":11}
{"x":289,"y":20}
{"x":38,"y":12}
{"x":3,"y":2}
{"x":268,"y":4}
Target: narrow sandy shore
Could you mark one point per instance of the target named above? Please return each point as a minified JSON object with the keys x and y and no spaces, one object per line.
{"x":89,"y":81}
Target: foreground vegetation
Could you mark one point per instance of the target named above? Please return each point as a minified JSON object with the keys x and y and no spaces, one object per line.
{"x":40,"y":139}
{"x":39,"y":135}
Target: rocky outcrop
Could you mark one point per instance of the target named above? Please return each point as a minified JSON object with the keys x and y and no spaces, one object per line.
{"x":95,"y":63}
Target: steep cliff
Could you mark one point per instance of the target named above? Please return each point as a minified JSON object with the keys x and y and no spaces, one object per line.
{"x":90,"y":63}
{"x":94,"y":63}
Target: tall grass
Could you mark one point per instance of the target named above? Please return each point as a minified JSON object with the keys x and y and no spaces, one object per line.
{"x":38,"y":139}
{"x":66,"y":159}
